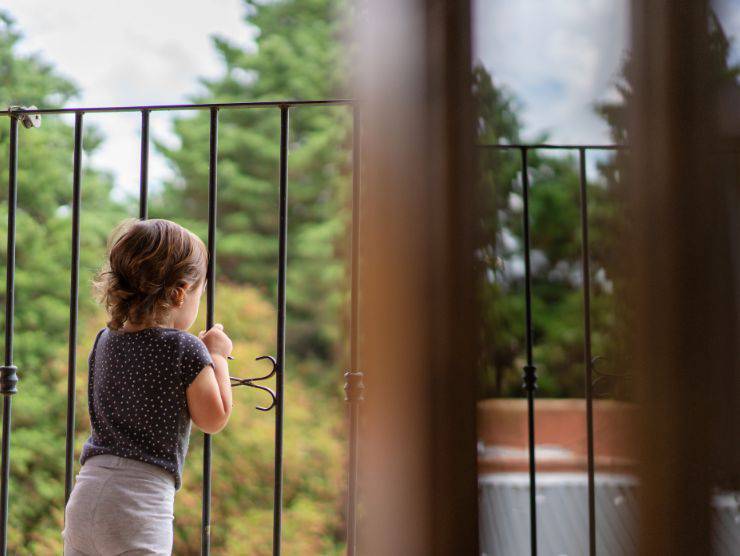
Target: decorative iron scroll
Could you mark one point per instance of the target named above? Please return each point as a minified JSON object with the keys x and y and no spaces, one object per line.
{"x":603,"y":379}
{"x":251,"y":382}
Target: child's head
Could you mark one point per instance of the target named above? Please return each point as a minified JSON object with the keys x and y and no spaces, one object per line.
{"x":154,"y":274}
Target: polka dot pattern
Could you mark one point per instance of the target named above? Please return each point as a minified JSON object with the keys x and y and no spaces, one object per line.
{"x":136,"y":395}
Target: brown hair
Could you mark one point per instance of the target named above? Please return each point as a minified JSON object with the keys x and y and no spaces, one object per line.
{"x":147,"y":261}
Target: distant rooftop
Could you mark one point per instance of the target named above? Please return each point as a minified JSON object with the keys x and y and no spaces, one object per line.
{"x":562,"y":515}
{"x":562,"y":483}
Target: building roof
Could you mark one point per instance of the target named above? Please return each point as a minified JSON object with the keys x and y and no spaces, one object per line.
{"x":562,"y":515}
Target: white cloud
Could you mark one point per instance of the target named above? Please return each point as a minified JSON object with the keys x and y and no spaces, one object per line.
{"x":130,"y":53}
{"x":728,"y":12}
{"x":557,"y":56}
{"x":560,"y":56}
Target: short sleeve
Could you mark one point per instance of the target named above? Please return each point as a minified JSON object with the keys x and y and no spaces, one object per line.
{"x":91,"y":356}
{"x":193,"y":357}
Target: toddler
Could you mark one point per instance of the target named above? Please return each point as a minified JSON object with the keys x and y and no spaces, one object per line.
{"x":148,"y":378}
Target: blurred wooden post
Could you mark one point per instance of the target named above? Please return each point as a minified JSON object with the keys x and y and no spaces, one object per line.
{"x":679,"y":267}
{"x":418,"y":484}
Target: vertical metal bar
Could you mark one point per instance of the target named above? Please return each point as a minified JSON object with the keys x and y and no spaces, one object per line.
{"x":529,"y":376}
{"x":586,"y":273}
{"x":144,"y":160}
{"x":280,"y":375}
{"x":353,"y":378}
{"x":355,"y":287}
{"x":8,"y":378}
{"x":205,"y":538}
{"x":73,"y":297}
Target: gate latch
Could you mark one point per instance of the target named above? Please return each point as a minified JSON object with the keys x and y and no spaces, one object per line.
{"x":28,"y":120}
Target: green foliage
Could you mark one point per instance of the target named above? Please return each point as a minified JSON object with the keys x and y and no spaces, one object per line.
{"x":298,"y":56}
{"x":42,"y":281}
{"x":243,"y":454}
{"x":557,"y":305}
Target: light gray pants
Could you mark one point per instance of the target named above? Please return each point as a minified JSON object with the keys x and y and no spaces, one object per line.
{"x":120,"y":506}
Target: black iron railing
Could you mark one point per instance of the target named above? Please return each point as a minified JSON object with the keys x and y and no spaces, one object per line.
{"x":30,"y":117}
{"x":353,"y":386}
{"x":529,"y":370}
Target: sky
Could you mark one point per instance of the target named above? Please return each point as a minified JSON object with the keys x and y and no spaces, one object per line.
{"x":556,"y":56}
{"x":133,"y":52}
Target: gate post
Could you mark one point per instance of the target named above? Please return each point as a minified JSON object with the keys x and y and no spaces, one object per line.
{"x":8,"y":377}
{"x":353,"y":394}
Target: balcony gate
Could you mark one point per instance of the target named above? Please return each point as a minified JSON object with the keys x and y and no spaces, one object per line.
{"x":529,"y":375}
{"x":31,"y":117}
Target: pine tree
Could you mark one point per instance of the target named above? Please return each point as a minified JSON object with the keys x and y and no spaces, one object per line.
{"x":610,"y":221}
{"x":42,"y":281}
{"x":555,"y":253}
{"x":298,"y":55}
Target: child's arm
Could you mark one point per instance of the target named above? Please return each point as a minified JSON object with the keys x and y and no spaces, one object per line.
{"x":209,"y":408}
{"x":224,"y":381}
{"x":209,"y":395}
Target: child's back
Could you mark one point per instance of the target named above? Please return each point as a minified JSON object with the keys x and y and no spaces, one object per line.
{"x":136,"y":395}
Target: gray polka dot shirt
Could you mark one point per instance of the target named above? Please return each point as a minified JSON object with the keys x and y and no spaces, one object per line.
{"x":136,"y":395}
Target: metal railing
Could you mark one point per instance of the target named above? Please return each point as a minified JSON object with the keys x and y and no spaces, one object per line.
{"x":30,"y":117}
{"x":529,"y":371}
{"x":353,"y":377}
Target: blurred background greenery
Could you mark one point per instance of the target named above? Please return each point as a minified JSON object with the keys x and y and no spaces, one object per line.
{"x":298,"y":55}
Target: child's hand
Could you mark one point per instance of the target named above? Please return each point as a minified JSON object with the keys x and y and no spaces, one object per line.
{"x":216,"y":340}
